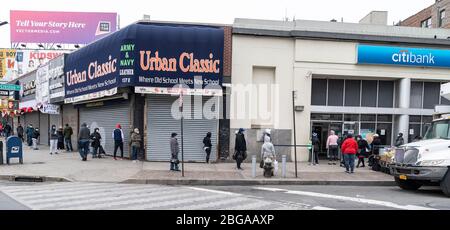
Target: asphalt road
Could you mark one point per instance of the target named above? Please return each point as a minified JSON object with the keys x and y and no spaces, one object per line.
{"x":20,"y":195}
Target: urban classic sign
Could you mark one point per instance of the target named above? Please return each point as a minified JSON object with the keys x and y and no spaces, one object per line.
{"x":407,"y":56}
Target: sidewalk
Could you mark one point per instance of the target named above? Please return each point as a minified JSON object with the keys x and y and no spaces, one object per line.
{"x":68,"y":167}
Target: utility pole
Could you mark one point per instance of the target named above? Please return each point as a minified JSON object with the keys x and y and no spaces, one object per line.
{"x":182,"y":147}
{"x":295,"y":137}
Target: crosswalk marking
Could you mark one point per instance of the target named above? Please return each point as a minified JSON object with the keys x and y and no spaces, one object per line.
{"x":86,"y":196}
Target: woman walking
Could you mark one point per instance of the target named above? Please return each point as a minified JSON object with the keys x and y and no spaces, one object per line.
{"x":363,"y":150}
{"x":349,"y":150}
{"x":240,"y":148}
{"x":207,"y":146}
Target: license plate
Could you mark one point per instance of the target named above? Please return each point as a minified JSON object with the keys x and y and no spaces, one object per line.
{"x":402,"y":177}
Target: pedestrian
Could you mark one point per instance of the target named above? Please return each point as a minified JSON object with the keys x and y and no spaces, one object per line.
{"x":83,"y":141}
{"x":68,"y":137}
{"x":363,"y":150}
{"x":207,"y":146}
{"x":96,"y":137}
{"x":135,"y":144}
{"x":118,"y":138}
{"x":399,"y":141}
{"x":332,"y":146}
{"x":60,"y":134}
{"x":267,"y":133}
{"x":29,"y":133}
{"x":268,"y":150}
{"x":174,"y":150}
{"x":20,"y":132}
{"x":53,"y":140}
{"x":240,"y":148}
{"x":316,"y":144}
{"x":349,"y":150}
{"x":35,"y":137}
{"x":375,"y":147}
{"x":8,"y":130}
{"x":1,"y":129}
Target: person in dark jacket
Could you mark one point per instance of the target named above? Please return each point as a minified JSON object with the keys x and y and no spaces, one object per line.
{"x":363,"y":148}
{"x":118,"y":138}
{"x":135,"y":143}
{"x":20,"y":132}
{"x":7,"y":130}
{"x":240,"y":148}
{"x":29,"y":133}
{"x":207,"y":146}
{"x":83,"y":141}
{"x":399,"y":141}
{"x":35,"y":136}
{"x":95,"y":137}
{"x":375,"y":147}
{"x":316,"y":143}
{"x":53,"y":140}
{"x":174,"y":150}
{"x":60,"y":134}
{"x":68,"y":138}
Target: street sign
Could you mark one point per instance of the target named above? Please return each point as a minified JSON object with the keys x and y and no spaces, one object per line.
{"x":4,"y":93}
{"x":9,"y":87}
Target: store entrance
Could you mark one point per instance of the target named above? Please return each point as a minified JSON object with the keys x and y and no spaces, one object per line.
{"x":323,"y":130}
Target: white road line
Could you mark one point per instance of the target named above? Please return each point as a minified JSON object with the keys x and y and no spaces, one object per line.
{"x":215,"y":191}
{"x":223,"y":202}
{"x":160,"y":205}
{"x":322,"y":208}
{"x":345,"y":198}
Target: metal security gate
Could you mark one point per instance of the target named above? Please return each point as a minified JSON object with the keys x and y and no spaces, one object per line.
{"x":44,"y":129}
{"x":105,"y":118}
{"x":161,"y":123}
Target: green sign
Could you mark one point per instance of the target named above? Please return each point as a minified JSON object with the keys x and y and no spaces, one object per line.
{"x":9,"y":87}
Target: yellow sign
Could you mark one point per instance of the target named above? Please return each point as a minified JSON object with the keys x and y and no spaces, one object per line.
{"x":402,"y":177}
{"x":7,"y":60}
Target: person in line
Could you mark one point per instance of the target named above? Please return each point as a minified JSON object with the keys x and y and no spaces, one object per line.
{"x":268,"y":150}
{"x":174,"y":150}
{"x":83,"y":141}
{"x":29,"y":133}
{"x":316,"y":145}
{"x":399,"y":141}
{"x":68,"y":137}
{"x":20,"y":132}
{"x":332,"y":146}
{"x":118,"y":138}
{"x":375,"y":147}
{"x":96,"y":137}
{"x":53,"y":140}
{"x":35,"y":137}
{"x":135,"y":144}
{"x":207,"y":146}
{"x":363,"y":150}
{"x":267,"y":133}
{"x":240,"y":148}
{"x":60,"y":134}
{"x":8,"y":130}
{"x":349,"y":150}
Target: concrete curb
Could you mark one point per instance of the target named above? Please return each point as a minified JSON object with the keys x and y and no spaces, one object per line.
{"x":256,"y":182}
{"x":27,"y":178}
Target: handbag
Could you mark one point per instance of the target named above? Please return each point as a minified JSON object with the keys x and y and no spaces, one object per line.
{"x":244,"y":155}
{"x":234,"y":155}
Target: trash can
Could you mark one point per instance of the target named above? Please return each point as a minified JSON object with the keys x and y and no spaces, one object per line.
{"x":14,"y":149}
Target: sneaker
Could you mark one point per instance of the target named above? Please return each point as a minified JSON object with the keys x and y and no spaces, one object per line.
{"x":347,"y":171}
{"x":84,"y":159}
{"x":334,"y":163}
{"x":134,"y":161}
{"x":363,"y":166}
{"x":351,"y":172}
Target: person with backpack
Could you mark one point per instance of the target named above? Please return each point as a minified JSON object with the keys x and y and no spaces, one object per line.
{"x":118,"y":138}
{"x":96,"y":137}
{"x":68,"y":131}
{"x":240,"y":148}
{"x":363,"y":150}
{"x":35,"y":137}
{"x":207,"y":146}
{"x":174,"y":150}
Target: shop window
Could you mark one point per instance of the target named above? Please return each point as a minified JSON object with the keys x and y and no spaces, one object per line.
{"x":416,"y":95}
{"x":351,"y":117}
{"x":444,"y":101}
{"x":416,"y":119}
{"x":384,"y":118}
{"x":441,"y":18}
{"x":431,"y":94}
{"x":335,"y":92}
{"x":326,"y":117}
{"x":384,"y":130}
{"x":352,"y":92}
{"x":413,"y":132}
{"x":369,"y":94}
{"x":367,"y":128}
{"x":319,"y":92}
{"x":386,"y":94}
{"x":368,"y":117}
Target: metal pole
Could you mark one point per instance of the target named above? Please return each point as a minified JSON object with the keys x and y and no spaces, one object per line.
{"x":253,"y":166}
{"x":295,"y":137}
{"x":283,"y":166}
{"x":182,"y":147}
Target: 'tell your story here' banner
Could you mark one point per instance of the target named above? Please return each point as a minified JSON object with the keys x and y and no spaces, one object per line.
{"x":167,"y":55}
{"x":60,"y":27}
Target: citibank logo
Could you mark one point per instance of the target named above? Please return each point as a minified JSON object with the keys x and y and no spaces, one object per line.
{"x":405,"y":56}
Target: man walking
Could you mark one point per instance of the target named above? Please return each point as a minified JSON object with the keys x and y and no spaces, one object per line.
{"x":174,"y":150}
{"x":207,"y":146}
{"x":29,"y":133}
{"x":240,"y":148}
{"x":332,"y":146}
{"x":68,"y":137}
{"x":83,"y":141}
{"x":35,"y":137}
{"x":118,"y":138}
{"x":349,"y":150}
{"x":20,"y":132}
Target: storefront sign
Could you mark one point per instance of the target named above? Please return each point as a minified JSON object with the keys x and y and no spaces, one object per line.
{"x":29,"y":88}
{"x":9,"y":87}
{"x":49,"y":109}
{"x":42,"y":85}
{"x":56,"y":79}
{"x":403,"y":56}
{"x":4,"y":93}
{"x":60,"y":27}
{"x":7,"y":60}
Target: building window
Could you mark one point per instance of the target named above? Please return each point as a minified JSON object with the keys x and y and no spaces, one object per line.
{"x":441,"y":18}
{"x":352,"y":92}
{"x":431,"y":94}
{"x":415,"y":100}
{"x":335,"y":92}
{"x":444,"y":101}
{"x":426,"y":23}
{"x":369,"y":94}
{"x":319,"y":92}
{"x":386,"y":94}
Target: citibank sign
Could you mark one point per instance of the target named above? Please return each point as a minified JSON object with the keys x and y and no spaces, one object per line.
{"x":406,"y":56}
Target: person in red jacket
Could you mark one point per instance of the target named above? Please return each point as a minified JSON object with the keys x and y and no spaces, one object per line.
{"x":349,"y":149}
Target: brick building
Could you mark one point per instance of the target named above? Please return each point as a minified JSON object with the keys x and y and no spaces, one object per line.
{"x":434,"y":16}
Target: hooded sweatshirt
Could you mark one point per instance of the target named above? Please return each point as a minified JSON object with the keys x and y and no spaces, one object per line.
{"x":267,"y":149}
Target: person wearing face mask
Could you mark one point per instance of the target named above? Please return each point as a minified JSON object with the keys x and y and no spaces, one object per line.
{"x":135,"y":144}
{"x":95,"y":137}
{"x":53,"y":140}
{"x":363,"y":150}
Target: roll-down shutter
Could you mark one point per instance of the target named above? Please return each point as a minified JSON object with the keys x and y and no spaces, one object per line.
{"x":161,"y":123}
{"x":44,"y":129}
{"x":106,"y":118}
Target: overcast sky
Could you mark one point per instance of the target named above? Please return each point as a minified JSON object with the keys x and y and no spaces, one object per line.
{"x":216,"y":11}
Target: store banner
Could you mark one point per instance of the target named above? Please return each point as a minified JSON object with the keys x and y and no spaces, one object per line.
{"x":49,"y":109}
{"x":42,"y":86}
{"x":7,"y":61}
{"x":403,"y":56}
{"x":56,"y":79}
{"x":193,"y":56}
{"x":60,"y":27}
